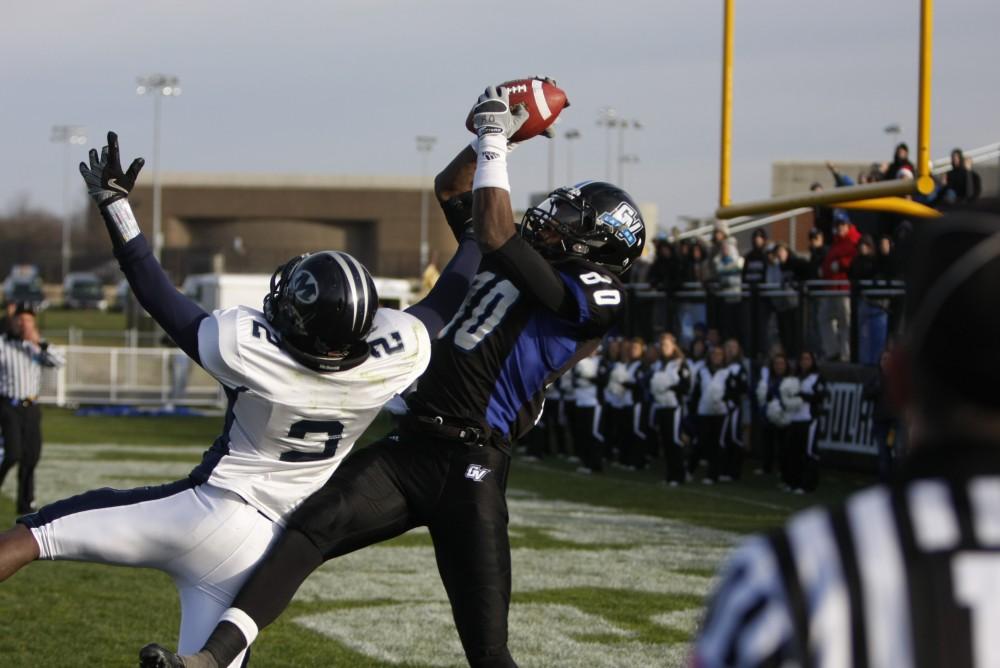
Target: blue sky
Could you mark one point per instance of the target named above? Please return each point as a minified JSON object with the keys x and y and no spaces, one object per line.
{"x":343,"y":87}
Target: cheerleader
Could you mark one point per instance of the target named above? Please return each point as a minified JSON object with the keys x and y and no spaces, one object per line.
{"x":563,"y":421}
{"x":710,"y":386}
{"x":587,"y":434}
{"x":774,"y":420}
{"x":732,"y":430}
{"x":804,"y":458}
{"x":609,"y":396}
{"x":668,"y":385}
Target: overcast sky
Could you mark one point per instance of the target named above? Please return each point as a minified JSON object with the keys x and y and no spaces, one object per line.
{"x":343,"y":87}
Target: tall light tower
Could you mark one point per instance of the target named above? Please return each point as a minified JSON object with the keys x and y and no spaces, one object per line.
{"x":625,"y":124}
{"x":68,"y":136}
{"x":571,"y":136}
{"x":608,"y":118}
{"x":424,"y":146}
{"x":159,"y":86}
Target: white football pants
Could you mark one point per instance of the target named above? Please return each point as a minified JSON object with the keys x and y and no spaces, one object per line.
{"x":207,"y":539}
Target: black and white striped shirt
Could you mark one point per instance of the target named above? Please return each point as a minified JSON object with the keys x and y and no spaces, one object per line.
{"x":21,"y":365}
{"x":898,"y":576}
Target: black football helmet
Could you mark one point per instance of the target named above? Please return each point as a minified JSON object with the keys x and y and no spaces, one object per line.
{"x":596,"y":221}
{"x":322,"y":305}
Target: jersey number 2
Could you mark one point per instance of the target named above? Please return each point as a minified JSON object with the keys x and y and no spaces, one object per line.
{"x":333,"y":430}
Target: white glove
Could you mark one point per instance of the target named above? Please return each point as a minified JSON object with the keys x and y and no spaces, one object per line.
{"x":492,"y":114}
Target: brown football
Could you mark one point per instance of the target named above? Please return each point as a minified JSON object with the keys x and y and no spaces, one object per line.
{"x":544,"y":101}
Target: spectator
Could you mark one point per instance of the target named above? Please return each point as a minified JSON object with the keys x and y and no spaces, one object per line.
{"x":728,"y":266}
{"x":900,"y":167}
{"x":873,"y":312}
{"x":695,"y":270}
{"x":813,"y":270}
{"x":720,"y":234}
{"x":666,"y":270}
{"x":791,"y":269}
{"x":23,"y":353}
{"x":822,"y":215}
{"x":884,"y":424}
{"x":835,"y":311}
{"x":669,"y":384}
{"x":755,"y":264}
{"x":774,"y":418}
{"x":961,"y":184}
{"x":755,"y":261}
{"x":664,"y":275}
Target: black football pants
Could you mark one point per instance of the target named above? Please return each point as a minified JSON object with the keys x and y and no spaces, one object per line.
{"x":22,"y":433}
{"x":386,"y":489}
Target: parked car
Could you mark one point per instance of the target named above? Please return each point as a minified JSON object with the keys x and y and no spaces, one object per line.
{"x":24,"y":286}
{"x":83,"y":290}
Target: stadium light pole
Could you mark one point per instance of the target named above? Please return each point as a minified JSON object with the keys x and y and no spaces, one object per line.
{"x":608,"y":118}
{"x":159,"y":86}
{"x":425,"y":145}
{"x":570,"y":136}
{"x":68,"y":136}
{"x":631,"y":159}
{"x":624,"y":124}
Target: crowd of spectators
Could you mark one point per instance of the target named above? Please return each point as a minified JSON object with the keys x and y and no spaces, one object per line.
{"x":687,"y":410}
{"x":802,"y":301}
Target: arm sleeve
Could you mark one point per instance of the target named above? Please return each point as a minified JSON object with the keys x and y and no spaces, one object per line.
{"x":51,"y":358}
{"x":748,"y":621}
{"x":458,"y":213}
{"x":534,"y":276}
{"x":440,"y":304}
{"x":176,"y":314}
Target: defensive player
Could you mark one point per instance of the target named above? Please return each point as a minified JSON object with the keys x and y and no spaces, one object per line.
{"x":541,"y":302}
{"x":304,"y":379}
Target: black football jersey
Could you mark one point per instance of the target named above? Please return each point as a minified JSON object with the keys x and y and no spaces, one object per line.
{"x":491,"y":364}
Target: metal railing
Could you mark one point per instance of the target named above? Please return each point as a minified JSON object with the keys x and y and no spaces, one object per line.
{"x":653,"y":309}
{"x":116,"y":375}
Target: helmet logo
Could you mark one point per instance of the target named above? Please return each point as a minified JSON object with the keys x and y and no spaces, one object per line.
{"x":305,"y":287}
{"x":624,"y":222}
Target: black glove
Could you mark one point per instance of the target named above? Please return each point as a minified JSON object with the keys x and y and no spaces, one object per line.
{"x":106,"y":183}
{"x":109,"y":187}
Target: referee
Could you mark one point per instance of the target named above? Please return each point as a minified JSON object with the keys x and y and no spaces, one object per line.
{"x":905,"y":574}
{"x":22,"y":356}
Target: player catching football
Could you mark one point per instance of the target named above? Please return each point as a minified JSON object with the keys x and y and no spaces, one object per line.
{"x":304,"y":379}
{"x":541,"y":301}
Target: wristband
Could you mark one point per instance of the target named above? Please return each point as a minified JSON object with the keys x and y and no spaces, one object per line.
{"x":491,"y":165}
{"x":120,"y":221}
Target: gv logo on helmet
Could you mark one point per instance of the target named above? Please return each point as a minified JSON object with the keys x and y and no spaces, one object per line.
{"x":305,"y":288}
{"x":624,"y":221}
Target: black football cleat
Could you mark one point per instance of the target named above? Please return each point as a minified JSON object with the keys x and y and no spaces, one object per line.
{"x":154,"y":656}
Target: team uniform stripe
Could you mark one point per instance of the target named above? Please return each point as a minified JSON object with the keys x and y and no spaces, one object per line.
{"x":351,"y":284}
{"x":540,"y":101}
{"x":852,"y":581}
{"x":361,"y":276}
{"x":883,"y":581}
{"x":984,"y":497}
{"x":811,"y":541}
{"x":932,"y":516}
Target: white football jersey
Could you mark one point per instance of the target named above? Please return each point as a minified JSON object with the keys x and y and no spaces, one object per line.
{"x":289,"y":427}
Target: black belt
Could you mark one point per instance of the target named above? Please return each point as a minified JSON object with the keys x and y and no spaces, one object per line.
{"x":438,"y":427}
{"x":18,"y":402}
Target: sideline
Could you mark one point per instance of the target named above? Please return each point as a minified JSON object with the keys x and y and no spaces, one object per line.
{"x":688,"y":489}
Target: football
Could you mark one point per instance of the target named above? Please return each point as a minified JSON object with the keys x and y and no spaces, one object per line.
{"x":544,"y":101}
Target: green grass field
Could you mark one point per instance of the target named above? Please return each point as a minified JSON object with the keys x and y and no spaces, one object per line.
{"x":609,"y":570}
